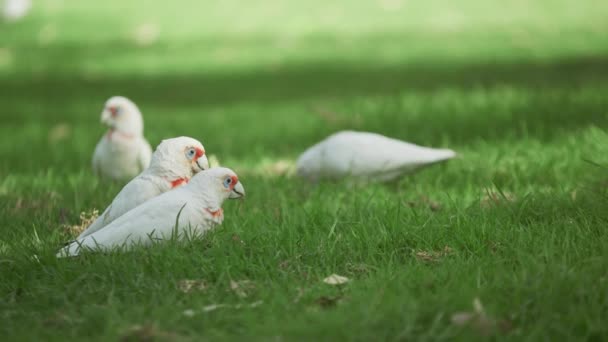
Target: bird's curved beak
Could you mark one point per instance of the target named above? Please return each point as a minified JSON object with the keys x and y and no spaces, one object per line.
{"x":106,"y":117}
{"x":238,"y":191}
{"x":201,"y":164}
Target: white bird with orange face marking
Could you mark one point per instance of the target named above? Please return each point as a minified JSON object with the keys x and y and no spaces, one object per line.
{"x":123,"y":152}
{"x":367,"y":156}
{"x":189,"y":210}
{"x":174,"y":162}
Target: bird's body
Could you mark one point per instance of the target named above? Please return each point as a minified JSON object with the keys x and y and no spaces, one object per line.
{"x":123,"y":152}
{"x":121,"y":157}
{"x":174,"y":162}
{"x":190,"y":209}
{"x":14,"y":10}
{"x":367,"y":156}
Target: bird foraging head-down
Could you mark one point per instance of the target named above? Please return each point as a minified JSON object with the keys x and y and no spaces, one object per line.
{"x":122,"y":115}
{"x":178,"y":159}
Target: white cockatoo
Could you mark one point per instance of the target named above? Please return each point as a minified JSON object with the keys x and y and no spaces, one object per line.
{"x":123,"y":152}
{"x":189,"y":210}
{"x":364,"y":155}
{"x":14,"y":10}
{"x":173,"y":163}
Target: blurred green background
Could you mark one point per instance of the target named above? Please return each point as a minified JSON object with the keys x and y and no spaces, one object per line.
{"x":285,"y":73}
{"x":518,"y":88}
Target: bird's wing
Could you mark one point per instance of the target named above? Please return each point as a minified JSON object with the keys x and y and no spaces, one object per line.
{"x":155,"y":218}
{"x":97,"y":158}
{"x":136,"y":192}
{"x":369,"y":154}
{"x":145,"y":154}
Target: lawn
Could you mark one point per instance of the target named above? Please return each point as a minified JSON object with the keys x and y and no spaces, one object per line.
{"x":517,"y":223}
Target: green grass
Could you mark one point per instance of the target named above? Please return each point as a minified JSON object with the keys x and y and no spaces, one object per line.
{"x":519,"y":90}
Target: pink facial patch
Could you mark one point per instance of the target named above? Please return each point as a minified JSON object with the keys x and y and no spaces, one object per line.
{"x":199,"y":153}
{"x":234,"y":181}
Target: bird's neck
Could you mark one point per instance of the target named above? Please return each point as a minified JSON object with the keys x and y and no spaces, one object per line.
{"x":114,"y":134}
{"x":169,"y":179}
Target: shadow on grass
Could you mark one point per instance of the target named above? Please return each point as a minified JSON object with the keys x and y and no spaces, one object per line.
{"x":544,"y":117}
{"x":304,"y":82}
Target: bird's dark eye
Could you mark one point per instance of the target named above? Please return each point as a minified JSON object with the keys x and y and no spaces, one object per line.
{"x":227,"y":182}
{"x":190,"y":153}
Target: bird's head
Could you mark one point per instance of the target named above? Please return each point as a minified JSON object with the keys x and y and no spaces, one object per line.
{"x":122,"y":115}
{"x":180,"y":157}
{"x":220,"y":183}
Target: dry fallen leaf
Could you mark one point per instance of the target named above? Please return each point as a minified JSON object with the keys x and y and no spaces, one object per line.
{"x":86,"y":218}
{"x":434,"y":256}
{"x":494,"y":198}
{"x":335,"y":279}
{"x":187,"y":285}
{"x":242,"y":288}
{"x":213,"y":307}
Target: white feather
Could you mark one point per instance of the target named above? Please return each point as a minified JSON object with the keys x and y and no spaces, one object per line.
{"x":123,"y":152}
{"x":189,"y":206}
{"x":365,"y":155}
{"x":169,"y":163}
{"x":16,"y":9}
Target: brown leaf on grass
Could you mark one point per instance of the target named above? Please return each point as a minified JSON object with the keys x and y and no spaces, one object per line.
{"x":242,"y":288}
{"x":335,"y":279}
{"x":358,"y":268}
{"x":493,"y":246}
{"x":214,"y":307}
{"x":495,"y":198}
{"x":148,"y":332}
{"x":188,"y":285}
{"x":434,"y":256}
{"x":237,"y":239}
{"x":86,"y":218}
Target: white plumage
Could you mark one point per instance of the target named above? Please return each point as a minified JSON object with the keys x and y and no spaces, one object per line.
{"x":174,"y":162}
{"x":365,"y":155}
{"x":195,"y":208}
{"x":14,"y":10}
{"x":123,"y":152}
